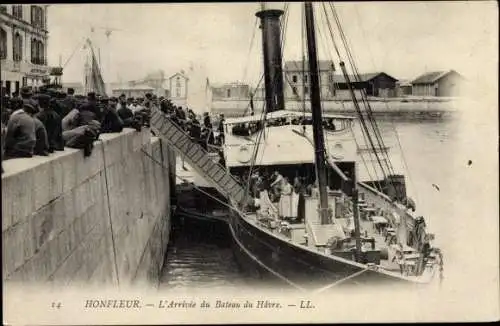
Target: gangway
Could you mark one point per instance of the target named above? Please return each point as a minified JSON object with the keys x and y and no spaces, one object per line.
{"x":197,"y":157}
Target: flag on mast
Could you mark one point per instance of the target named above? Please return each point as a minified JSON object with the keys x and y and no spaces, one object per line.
{"x":94,"y":80}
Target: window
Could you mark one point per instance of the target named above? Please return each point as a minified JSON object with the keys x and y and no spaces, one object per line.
{"x":306,"y":90}
{"x":17,"y":11}
{"x":3,"y":45}
{"x":37,"y":52}
{"x":228,"y":93}
{"x":37,"y":16}
{"x":294,"y":78}
{"x":33,"y":50}
{"x":17,"y":47}
{"x":178,"y":92}
{"x":294,"y":90}
{"x":305,"y":78}
{"x":330,"y":77}
{"x":41,"y":53}
{"x":3,"y":9}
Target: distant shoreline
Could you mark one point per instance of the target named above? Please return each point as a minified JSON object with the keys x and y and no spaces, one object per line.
{"x":393,"y":107}
{"x":370,"y":99}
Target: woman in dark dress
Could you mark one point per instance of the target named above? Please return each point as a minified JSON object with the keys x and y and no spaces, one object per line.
{"x":301,"y":209}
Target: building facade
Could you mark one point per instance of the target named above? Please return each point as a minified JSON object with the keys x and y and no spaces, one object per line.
{"x":403,"y":88}
{"x":230,"y":91}
{"x":297,"y":79}
{"x":23,"y":47}
{"x":377,"y":84}
{"x":178,"y":88}
{"x":135,"y":91}
{"x":438,"y":83}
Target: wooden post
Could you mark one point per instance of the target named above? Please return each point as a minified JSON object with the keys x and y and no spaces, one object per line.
{"x":357,"y":231}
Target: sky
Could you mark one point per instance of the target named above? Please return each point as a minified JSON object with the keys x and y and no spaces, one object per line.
{"x":403,"y":39}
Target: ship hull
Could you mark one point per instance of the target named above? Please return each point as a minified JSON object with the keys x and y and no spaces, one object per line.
{"x":267,"y":256}
{"x":280,"y":263}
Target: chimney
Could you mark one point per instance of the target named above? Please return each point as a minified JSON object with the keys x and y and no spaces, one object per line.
{"x":271,"y":44}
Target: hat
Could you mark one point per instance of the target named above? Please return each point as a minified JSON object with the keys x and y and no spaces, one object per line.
{"x":85,"y":106}
{"x":43,"y":100}
{"x":26,"y":90}
{"x":52,"y":92}
{"x":29,"y":107}
{"x":16,"y":103}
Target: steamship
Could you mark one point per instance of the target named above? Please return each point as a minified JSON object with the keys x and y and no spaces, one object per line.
{"x":359,"y":227}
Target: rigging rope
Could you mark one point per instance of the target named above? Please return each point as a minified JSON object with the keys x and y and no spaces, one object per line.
{"x":410,"y":179}
{"x":262,"y":120}
{"x":250,"y":49}
{"x":368,"y":110}
{"x":303,"y":53}
{"x":329,"y":286}
{"x":376,"y":179}
{"x":115,"y":264}
{"x":256,"y":88}
{"x":364,"y":98}
{"x":73,"y":53}
{"x":286,"y":280}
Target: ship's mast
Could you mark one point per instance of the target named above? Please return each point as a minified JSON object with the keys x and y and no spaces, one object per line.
{"x":271,"y":44}
{"x":319,"y":146}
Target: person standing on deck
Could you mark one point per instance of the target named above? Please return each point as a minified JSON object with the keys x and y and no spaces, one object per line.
{"x":285,"y":204}
{"x":300,"y":189}
{"x":276,"y":184}
{"x":221,"y":129}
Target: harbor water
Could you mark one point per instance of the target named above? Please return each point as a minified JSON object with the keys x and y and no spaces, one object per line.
{"x":432,"y":152}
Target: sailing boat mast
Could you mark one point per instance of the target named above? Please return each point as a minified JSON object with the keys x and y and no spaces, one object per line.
{"x":319,"y":146}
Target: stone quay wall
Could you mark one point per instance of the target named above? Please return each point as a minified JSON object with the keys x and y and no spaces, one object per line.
{"x":104,"y":219}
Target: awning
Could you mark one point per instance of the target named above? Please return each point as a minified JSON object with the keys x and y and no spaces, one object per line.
{"x":379,"y":219}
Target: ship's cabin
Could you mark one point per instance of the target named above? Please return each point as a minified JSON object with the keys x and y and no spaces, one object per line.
{"x":250,"y":125}
{"x":305,"y":172}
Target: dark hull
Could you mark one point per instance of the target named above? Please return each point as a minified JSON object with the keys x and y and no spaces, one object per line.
{"x":266,"y":256}
{"x":271,"y":257}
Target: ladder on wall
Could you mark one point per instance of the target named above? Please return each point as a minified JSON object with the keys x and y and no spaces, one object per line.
{"x":197,"y":157}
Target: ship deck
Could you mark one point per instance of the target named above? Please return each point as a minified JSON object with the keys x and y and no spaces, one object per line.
{"x":316,"y":236}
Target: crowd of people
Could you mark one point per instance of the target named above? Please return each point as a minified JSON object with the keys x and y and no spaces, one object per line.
{"x":203,"y":133}
{"x":289,"y":197}
{"x":48,"y":120}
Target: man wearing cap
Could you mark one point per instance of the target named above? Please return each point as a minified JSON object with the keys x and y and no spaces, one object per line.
{"x":42,"y":140}
{"x":69,"y":102}
{"x":111,"y":122}
{"x":26,"y":93}
{"x":91,"y":105}
{"x":122,"y":102}
{"x":52,"y":122}
{"x":129,"y":118}
{"x":20,"y":137}
{"x":88,"y":112}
